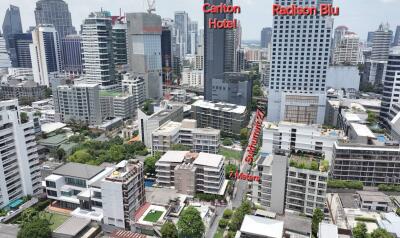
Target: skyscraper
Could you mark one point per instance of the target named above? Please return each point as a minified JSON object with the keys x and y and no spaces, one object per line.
{"x":166,"y":52}
{"x":21,"y":174}
{"x":45,"y":53}
{"x":12,"y":23}
{"x":347,"y":50}
{"x":192,"y":37}
{"x":182,"y":26}
{"x":390,"y":96}
{"x":55,"y":12}
{"x":381,"y":43}
{"x":300,"y":56}
{"x":266,"y":35}
{"x":144,"y":50}
{"x":119,"y":30}
{"x":97,"y":48}
{"x":71,"y":48}
{"x":19,"y":50}
{"x":218,"y":48}
{"x":396,"y":41}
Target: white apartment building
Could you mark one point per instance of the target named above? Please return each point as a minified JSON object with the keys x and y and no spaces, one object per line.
{"x":123,"y":193}
{"x":290,"y":137}
{"x":97,"y":50}
{"x":192,"y":77}
{"x":306,"y":189}
{"x":192,"y":172}
{"x":80,"y":102}
{"x":347,"y":50}
{"x":110,"y":194}
{"x":185,"y":133}
{"x":134,"y":85}
{"x":300,"y":57}
{"x":45,"y":53}
{"x":116,"y":104}
{"x":19,"y":170}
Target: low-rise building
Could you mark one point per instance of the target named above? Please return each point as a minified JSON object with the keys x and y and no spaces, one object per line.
{"x":374,"y":201}
{"x":25,"y":91}
{"x":185,"y":133}
{"x":191,"y":173}
{"x":115,"y":104}
{"x":192,"y":78}
{"x":289,"y":136}
{"x":229,"y":118}
{"x":260,"y":227}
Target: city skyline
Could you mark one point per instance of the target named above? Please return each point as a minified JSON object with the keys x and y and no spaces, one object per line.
{"x":359,"y":15}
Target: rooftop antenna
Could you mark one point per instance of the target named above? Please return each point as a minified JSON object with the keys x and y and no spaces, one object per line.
{"x":151,"y":6}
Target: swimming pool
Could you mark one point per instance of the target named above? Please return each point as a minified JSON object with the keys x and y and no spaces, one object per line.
{"x":149,"y":182}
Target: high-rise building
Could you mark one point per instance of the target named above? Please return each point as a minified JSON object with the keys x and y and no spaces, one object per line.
{"x":396,"y":40}
{"x":45,"y":53}
{"x":79,"y":102}
{"x":381,"y":43}
{"x":182,"y":26}
{"x":12,"y":23}
{"x":55,"y":12}
{"x":370,"y":38}
{"x":144,"y":47}
{"x":266,"y":35}
{"x":19,"y":50}
{"x":166,"y":53}
{"x":339,"y":33}
{"x":119,"y":30}
{"x":300,"y":57}
{"x":97,"y":48}
{"x":219,"y":53}
{"x":193,"y":31}
{"x":134,"y":85}
{"x":391,"y":86}
{"x":5,"y":61}
{"x":20,"y":175}
{"x":235,"y":88}
{"x":71,"y":47}
{"x":347,"y":50}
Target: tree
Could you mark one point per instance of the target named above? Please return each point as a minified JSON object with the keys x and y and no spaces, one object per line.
{"x":244,"y":134}
{"x":360,"y":230}
{"x":150,"y":163}
{"x":230,"y":168}
{"x":48,"y":92}
{"x":238,"y":215}
{"x":81,"y":156}
{"x":227,"y":142}
{"x":190,"y":224}
{"x":37,"y":228}
{"x":117,"y":153}
{"x":398,"y":211}
{"x":318,"y":216}
{"x":380,"y":233}
{"x":228,"y":213}
{"x":223,"y":223}
{"x":58,"y":154}
{"x":24,"y":117}
{"x":257,"y":92}
{"x":180,"y":147}
{"x":29,"y":215}
{"x":168,"y":230}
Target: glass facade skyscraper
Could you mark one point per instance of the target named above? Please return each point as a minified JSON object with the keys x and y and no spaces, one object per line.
{"x":12,"y":23}
{"x":55,"y":12}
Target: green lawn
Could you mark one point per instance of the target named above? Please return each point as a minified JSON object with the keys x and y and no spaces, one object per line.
{"x":153,"y":216}
{"x":219,"y":233}
{"x":230,"y":154}
{"x":55,"y":219}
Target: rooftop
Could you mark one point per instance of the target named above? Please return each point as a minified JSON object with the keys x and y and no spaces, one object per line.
{"x":83,"y":171}
{"x":328,"y":230}
{"x":50,"y":127}
{"x":209,"y":160}
{"x":126,"y":234}
{"x":125,"y":170}
{"x":168,"y":128}
{"x":362,"y":130}
{"x":296,"y":223}
{"x":54,"y":140}
{"x":72,"y":226}
{"x":373,"y":196}
{"x":220,"y":106}
{"x":173,"y":156}
{"x":264,"y":227}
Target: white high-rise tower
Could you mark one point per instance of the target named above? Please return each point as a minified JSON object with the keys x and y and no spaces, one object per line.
{"x":300,"y":57}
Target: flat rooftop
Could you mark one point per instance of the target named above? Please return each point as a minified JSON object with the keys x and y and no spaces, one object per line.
{"x":220,"y":106}
{"x":362,"y":130}
{"x":209,"y":160}
{"x":83,"y":171}
{"x":72,"y":226}
{"x":263,"y":227}
{"x":173,"y":156}
{"x":373,"y":196}
{"x":168,"y":128}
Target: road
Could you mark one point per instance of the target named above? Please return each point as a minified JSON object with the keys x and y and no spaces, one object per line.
{"x":213,"y":229}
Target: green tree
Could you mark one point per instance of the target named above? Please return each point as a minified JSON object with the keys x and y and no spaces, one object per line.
{"x":360,"y":230}
{"x":257,"y":91}
{"x":223,"y":223}
{"x":190,"y":224}
{"x":180,"y":147}
{"x":317,"y":217}
{"x":81,"y":156}
{"x":230,"y":168}
{"x":168,"y":230}
{"x":24,"y":117}
{"x":58,"y":154}
{"x":117,"y":153}
{"x":150,"y":163}
{"x":238,"y":215}
{"x":227,"y":142}
{"x":380,"y":233}
{"x":48,"y":92}
{"x":29,"y":215}
{"x":244,"y":134}
{"x":398,"y":211}
{"x":37,"y":228}
{"x":228,"y":213}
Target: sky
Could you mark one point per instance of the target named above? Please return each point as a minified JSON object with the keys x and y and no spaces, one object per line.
{"x":360,"y":16}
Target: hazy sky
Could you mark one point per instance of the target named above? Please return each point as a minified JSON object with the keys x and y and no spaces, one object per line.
{"x":360,"y":16}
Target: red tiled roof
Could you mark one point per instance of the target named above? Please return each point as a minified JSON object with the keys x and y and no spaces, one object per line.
{"x":141,"y":211}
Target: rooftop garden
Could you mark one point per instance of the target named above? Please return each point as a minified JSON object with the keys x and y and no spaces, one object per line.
{"x":309,"y":162}
{"x":345,"y":184}
{"x":153,"y":216}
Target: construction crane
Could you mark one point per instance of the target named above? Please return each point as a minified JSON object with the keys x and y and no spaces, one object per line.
{"x":151,"y":6}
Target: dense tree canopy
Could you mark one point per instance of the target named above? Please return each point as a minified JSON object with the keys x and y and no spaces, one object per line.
{"x":168,"y":230}
{"x":190,"y":224}
{"x":318,"y":216}
{"x":360,"y":231}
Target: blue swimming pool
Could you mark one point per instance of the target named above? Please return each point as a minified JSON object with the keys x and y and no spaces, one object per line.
{"x":149,"y":182}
